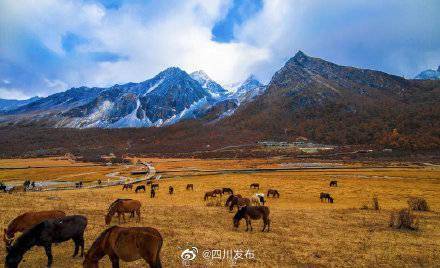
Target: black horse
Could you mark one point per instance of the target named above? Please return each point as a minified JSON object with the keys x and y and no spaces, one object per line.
{"x":326,"y":196}
{"x":45,"y":234}
{"x":79,"y":184}
{"x":171,"y":190}
{"x":2,"y":187}
{"x":140,"y":187}
{"x":334,"y":184}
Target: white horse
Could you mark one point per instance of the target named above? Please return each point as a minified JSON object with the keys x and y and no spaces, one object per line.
{"x":258,"y":199}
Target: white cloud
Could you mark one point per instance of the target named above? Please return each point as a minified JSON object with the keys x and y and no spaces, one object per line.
{"x":12,"y":94}
{"x":152,"y":36}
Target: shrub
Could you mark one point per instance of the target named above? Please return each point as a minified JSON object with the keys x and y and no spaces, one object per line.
{"x":403,"y":219}
{"x":418,"y":204}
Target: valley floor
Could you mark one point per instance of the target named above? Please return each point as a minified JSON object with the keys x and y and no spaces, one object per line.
{"x":305,"y":232}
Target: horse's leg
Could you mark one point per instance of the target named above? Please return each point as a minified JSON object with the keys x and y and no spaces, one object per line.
{"x":119,"y":218}
{"x":138,"y":212}
{"x":76,"y":241}
{"x":115,"y":260}
{"x":48,"y":249}
{"x":81,"y":243}
{"x":250,"y":224}
{"x":247,"y":225}
{"x":123,"y":217}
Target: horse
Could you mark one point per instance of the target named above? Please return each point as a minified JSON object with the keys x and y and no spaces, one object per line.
{"x":45,"y":234}
{"x":140,"y":187}
{"x":273,"y":192}
{"x":27,"y":220}
{"x":128,"y":244}
{"x":79,"y":184}
{"x":190,"y":186}
{"x":155,"y":186}
{"x":334,"y":184}
{"x":326,"y":196}
{"x":239,"y":202}
{"x":252,"y":213}
{"x":229,"y":199}
{"x":255,"y":186}
{"x":122,"y":206}
{"x":170,"y":190}
{"x":148,"y":182}
{"x":3,"y":187}
{"x":218,"y":192}
{"x":209,"y":194}
{"x":227,"y":190}
{"x":258,"y":199}
{"x":127,"y":186}
{"x":152,"y":193}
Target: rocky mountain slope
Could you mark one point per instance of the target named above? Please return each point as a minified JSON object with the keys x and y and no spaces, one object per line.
{"x":169,"y":97}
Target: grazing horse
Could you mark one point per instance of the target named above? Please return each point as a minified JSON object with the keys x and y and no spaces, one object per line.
{"x":229,"y":199}
{"x":252,"y":213}
{"x":3,"y":187}
{"x":334,"y":184}
{"x":255,"y":186}
{"x":148,"y":182}
{"x":140,"y":187}
{"x":239,"y":202}
{"x":127,"y":186}
{"x":170,"y":190}
{"x":218,"y":191}
{"x":128,"y":244}
{"x":227,"y":190}
{"x":45,"y":234}
{"x":273,"y":192}
{"x":27,"y":220}
{"x":122,"y":206}
{"x":326,"y":196}
{"x":79,"y":184}
{"x":209,"y":194}
{"x":258,"y":199}
{"x":190,"y":186}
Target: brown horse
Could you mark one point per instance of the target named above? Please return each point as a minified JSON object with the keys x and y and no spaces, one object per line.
{"x":239,"y":202}
{"x":171,"y":190}
{"x":122,"y":206}
{"x":26,"y":221}
{"x":190,"y":186}
{"x":128,"y":244}
{"x":218,"y":191}
{"x":229,"y":199}
{"x":227,"y":190}
{"x":252,"y":213}
{"x":273,"y":192}
{"x":326,"y":196}
{"x":209,"y":194}
{"x":255,"y":186}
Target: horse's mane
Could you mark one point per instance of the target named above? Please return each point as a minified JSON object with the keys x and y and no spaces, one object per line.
{"x":240,"y":213}
{"x":116,"y":202}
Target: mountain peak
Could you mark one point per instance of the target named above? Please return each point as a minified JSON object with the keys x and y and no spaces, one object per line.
{"x":200,"y":74}
{"x":172,"y":71}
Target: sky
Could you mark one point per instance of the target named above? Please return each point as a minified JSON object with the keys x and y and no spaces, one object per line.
{"x":48,"y":46}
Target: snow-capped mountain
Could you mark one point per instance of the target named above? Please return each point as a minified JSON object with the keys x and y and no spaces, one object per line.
{"x":247,"y":90}
{"x":429,"y":74}
{"x":167,"y":98}
{"x":216,"y":90}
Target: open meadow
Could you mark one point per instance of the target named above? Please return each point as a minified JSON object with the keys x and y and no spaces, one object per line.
{"x":304,"y":231}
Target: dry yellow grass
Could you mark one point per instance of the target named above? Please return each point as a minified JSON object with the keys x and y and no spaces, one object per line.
{"x":304,"y":230}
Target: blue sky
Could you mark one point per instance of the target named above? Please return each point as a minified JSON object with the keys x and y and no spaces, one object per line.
{"x":47,"y":46}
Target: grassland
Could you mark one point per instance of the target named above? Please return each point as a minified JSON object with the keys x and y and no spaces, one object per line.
{"x":305,"y":232}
